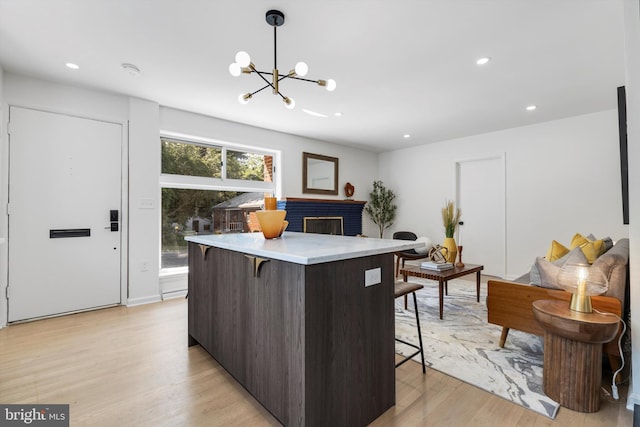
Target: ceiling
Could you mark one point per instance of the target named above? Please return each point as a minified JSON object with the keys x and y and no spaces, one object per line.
{"x":402,"y":67}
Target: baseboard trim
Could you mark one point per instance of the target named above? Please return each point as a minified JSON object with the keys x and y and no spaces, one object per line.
{"x":174,"y":294}
{"x":143,"y":300}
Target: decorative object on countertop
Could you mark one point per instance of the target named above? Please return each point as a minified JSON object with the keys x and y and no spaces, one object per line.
{"x":243,"y":65}
{"x":270,"y":203}
{"x":349,"y":189}
{"x":272,"y":223}
{"x":450,"y":220}
{"x":380,"y":207}
{"x":459,"y":264}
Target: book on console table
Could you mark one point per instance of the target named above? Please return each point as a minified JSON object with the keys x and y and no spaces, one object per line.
{"x":429,"y":265}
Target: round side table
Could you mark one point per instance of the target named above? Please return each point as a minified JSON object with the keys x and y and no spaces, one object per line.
{"x":572,"y":372}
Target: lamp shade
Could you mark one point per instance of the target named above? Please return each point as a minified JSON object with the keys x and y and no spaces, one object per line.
{"x":582,"y":279}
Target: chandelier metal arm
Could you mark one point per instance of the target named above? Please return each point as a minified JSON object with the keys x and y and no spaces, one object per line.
{"x":300,"y":78}
{"x":260,"y":73}
{"x":260,"y":90}
{"x":266,"y":86}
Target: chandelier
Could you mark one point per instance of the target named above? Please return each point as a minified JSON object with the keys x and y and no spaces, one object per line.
{"x":243,"y":65}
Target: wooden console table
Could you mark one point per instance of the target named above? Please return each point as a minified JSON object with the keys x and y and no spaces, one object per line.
{"x":572,"y":373}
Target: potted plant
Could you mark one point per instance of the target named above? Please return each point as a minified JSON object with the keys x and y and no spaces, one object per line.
{"x":450,"y":220}
{"x":380,"y":207}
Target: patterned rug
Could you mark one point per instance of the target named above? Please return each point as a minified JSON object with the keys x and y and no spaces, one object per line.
{"x":463,"y":345}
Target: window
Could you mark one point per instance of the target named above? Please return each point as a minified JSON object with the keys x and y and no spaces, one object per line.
{"x":191,"y":159}
{"x":202,"y":194}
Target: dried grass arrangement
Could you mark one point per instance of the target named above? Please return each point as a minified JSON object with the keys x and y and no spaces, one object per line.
{"x":450,"y":218}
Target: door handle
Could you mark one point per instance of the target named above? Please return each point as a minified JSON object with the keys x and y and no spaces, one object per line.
{"x":114,"y":217}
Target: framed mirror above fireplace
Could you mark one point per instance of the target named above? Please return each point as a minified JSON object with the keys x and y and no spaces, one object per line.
{"x":319,"y":174}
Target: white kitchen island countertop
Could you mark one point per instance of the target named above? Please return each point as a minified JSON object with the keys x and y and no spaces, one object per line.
{"x":304,"y":248}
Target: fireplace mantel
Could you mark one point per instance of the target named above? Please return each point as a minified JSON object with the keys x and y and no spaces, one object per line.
{"x":299,"y":208}
{"x":306,"y":200}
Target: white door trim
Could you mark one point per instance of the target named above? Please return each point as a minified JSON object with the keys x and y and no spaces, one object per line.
{"x":502,"y":157}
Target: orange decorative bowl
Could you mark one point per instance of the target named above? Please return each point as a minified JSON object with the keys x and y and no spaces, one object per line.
{"x":272,"y":223}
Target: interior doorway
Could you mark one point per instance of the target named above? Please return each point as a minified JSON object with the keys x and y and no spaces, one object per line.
{"x":481,"y":194}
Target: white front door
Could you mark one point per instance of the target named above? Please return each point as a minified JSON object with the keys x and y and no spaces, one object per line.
{"x":64,"y":181}
{"x":481,"y":196}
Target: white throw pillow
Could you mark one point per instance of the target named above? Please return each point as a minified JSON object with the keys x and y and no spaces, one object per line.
{"x":428,"y":244}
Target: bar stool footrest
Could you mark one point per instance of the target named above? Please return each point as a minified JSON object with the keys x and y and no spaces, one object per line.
{"x":409,"y":357}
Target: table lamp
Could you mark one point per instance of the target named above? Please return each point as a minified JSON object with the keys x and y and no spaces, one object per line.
{"x":582,"y":280}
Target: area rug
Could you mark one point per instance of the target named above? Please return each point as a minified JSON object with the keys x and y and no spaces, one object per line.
{"x":463,"y":345}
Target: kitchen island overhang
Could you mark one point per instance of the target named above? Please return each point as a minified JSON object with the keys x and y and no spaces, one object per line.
{"x":305,"y":322}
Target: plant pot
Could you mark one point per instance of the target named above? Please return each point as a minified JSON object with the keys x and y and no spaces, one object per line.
{"x":452,"y":249}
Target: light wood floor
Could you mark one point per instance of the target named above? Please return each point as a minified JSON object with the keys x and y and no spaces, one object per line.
{"x":132,"y":367}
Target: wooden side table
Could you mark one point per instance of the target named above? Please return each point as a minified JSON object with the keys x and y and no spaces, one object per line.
{"x":572,"y":373}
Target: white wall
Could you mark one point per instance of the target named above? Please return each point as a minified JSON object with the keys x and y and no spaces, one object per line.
{"x":141,"y":165}
{"x":562,"y":177}
{"x":144,"y":223}
{"x":355,"y":166}
{"x":632,"y":57}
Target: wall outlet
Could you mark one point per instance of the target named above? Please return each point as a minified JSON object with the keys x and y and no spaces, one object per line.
{"x":146,"y":204}
{"x":372,"y":277}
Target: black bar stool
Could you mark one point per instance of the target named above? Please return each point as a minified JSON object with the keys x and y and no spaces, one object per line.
{"x":401,"y":289}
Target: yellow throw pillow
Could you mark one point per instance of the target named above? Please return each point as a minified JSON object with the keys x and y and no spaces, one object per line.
{"x":556,"y":251}
{"x":592,"y":249}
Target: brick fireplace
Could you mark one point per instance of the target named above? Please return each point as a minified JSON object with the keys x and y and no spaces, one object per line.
{"x":297,"y":209}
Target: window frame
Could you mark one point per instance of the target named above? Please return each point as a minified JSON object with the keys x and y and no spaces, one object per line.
{"x":216,"y":184}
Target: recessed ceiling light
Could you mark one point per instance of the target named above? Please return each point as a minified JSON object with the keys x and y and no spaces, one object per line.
{"x":483,"y":61}
{"x":406,"y":136}
{"x":133,"y":70}
{"x":338,"y":114}
{"x":531,"y":107}
{"x":313,"y":113}
{"x":72,"y":65}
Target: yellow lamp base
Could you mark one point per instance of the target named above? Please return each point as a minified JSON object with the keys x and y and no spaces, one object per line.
{"x":581,"y":303}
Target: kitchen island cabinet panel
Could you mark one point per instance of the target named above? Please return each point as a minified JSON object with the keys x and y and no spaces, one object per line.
{"x":310,"y":342}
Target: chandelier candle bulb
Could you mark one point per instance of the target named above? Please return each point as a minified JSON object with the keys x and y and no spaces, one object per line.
{"x":243,"y":59}
{"x":301,"y":69}
{"x":235,"y":70}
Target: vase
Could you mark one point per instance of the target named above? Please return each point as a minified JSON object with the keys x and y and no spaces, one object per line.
{"x":452,"y":249}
